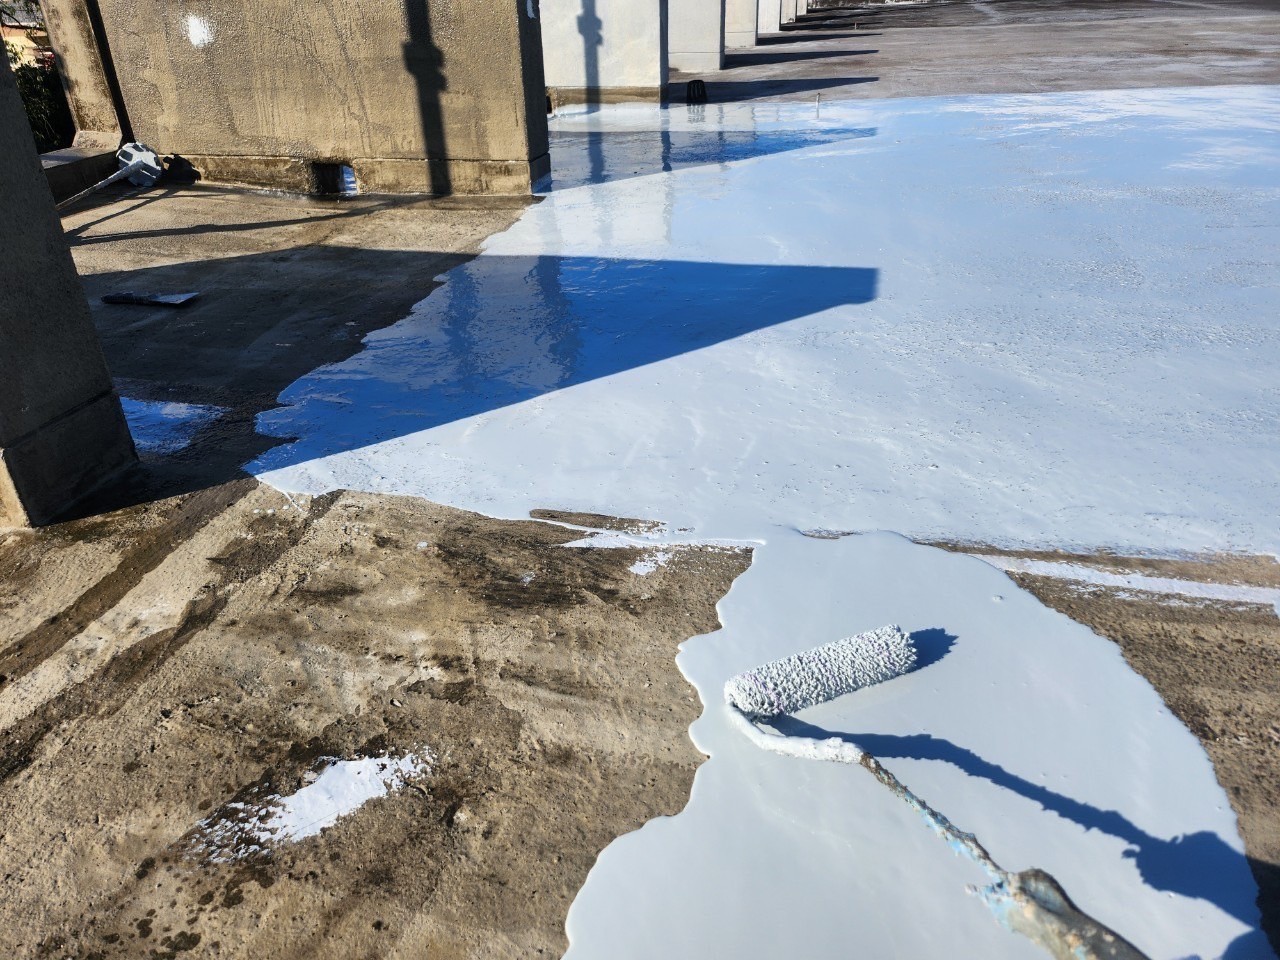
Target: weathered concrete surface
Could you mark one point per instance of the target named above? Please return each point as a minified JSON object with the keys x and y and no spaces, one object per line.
{"x":1016,"y":46}
{"x":85,"y":75}
{"x":166,"y":663}
{"x":695,"y":35}
{"x":604,"y":51}
{"x":440,"y":97}
{"x":61,"y":428}
{"x":287,"y":284}
{"x":740,"y":24}
{"x":72,"y":169}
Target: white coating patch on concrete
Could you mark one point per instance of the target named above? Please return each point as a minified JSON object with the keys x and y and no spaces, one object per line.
{"x":1046,"y":320}
{"x":338,"y":789}
{"x":160,"y":427}
{"x":199,"y":31}
{"x":650,"y":562}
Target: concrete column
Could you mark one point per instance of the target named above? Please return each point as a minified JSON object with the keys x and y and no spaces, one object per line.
{"x":802,"y":7}
{"x":695,"y":35}
{"x":85,"y":75}
{"x":604,"y":51}
{"x":61,"y":428}
{"x":740,"y":24}
{"x":788,"y":12}
{"x":769,"y":16}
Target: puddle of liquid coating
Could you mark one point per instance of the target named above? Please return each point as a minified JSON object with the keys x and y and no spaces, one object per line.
{"x":726,"y":321}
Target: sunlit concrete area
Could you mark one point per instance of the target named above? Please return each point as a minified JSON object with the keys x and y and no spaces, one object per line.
{"x":455,"y":508}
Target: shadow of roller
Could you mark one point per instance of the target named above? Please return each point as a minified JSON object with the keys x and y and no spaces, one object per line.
{"x":1030,"y":902}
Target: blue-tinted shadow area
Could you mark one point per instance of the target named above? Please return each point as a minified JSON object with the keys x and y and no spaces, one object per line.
{"x":583,"y":157}
{"x":503,"y":330}
{"x":1199,"y":865}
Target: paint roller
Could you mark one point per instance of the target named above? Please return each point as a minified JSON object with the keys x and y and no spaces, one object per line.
{"x":1031,"y":902}
{"x":136,"y":162}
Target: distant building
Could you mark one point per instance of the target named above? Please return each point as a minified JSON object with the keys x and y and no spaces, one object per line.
{"x":22,"y":29}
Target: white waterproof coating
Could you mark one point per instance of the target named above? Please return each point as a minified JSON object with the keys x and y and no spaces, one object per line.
{"x":821,"y":674}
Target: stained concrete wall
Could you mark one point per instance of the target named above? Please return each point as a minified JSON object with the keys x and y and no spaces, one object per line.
{"x":739,"y":24}
{"x":416,"y":95}
{"x":604,"y":51}
{"x":61,"y":428}
{"x":84,"y":73}
{"x":695,"y":35}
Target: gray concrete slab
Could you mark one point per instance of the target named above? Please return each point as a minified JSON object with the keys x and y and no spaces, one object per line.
{"x":1006,"y":46}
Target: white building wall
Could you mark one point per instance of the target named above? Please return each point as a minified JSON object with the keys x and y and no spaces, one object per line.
{"x":768,"y":16}
{"x":604,"y":49}
{"x":695,"y":35}
{"x":739,"y":24}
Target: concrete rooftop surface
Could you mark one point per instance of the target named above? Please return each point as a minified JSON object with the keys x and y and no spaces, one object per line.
{"x":1007,"y":46}
{"x":408,"y":634}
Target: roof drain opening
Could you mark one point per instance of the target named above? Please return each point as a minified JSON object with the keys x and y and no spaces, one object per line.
{"x":334,"y":179}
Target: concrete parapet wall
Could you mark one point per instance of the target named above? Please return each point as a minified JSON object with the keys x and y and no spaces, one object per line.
{"x":604,"y":51}
{"x":570,"y":96}
{"x":85,"y":76}
{"x":254,"y":91}
{"x":740,"y":18}
{"x":61,"y":428}
{"x":695,"y":35}
{"x":768,"y":16}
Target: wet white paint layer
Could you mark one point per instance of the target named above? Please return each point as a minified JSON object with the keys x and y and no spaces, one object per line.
{"x":163,"y":428}
{"x":1045,"y":320}
{"x":1068,"y":339}
{"x":1079,"y":573}
{"x":338,"y":788}
{"x":1021,"y":727}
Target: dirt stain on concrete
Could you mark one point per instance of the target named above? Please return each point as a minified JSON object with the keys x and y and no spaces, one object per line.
{"x":273,"y":638}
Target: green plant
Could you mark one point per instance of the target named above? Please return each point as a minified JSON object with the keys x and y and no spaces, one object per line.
{"x":38,"y":84}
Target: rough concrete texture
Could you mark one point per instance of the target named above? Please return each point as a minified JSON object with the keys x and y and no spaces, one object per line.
{"x":429,"y":98}
{"x":695,"y":35}
{"x":604,"y":51}
{"x":61,"y":429}
{"x":73,"y":169}
{"x":287,"y":284}
{"x":169,"y":662}
{"x":1014,"y":46}
{"x":84,"y":74}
